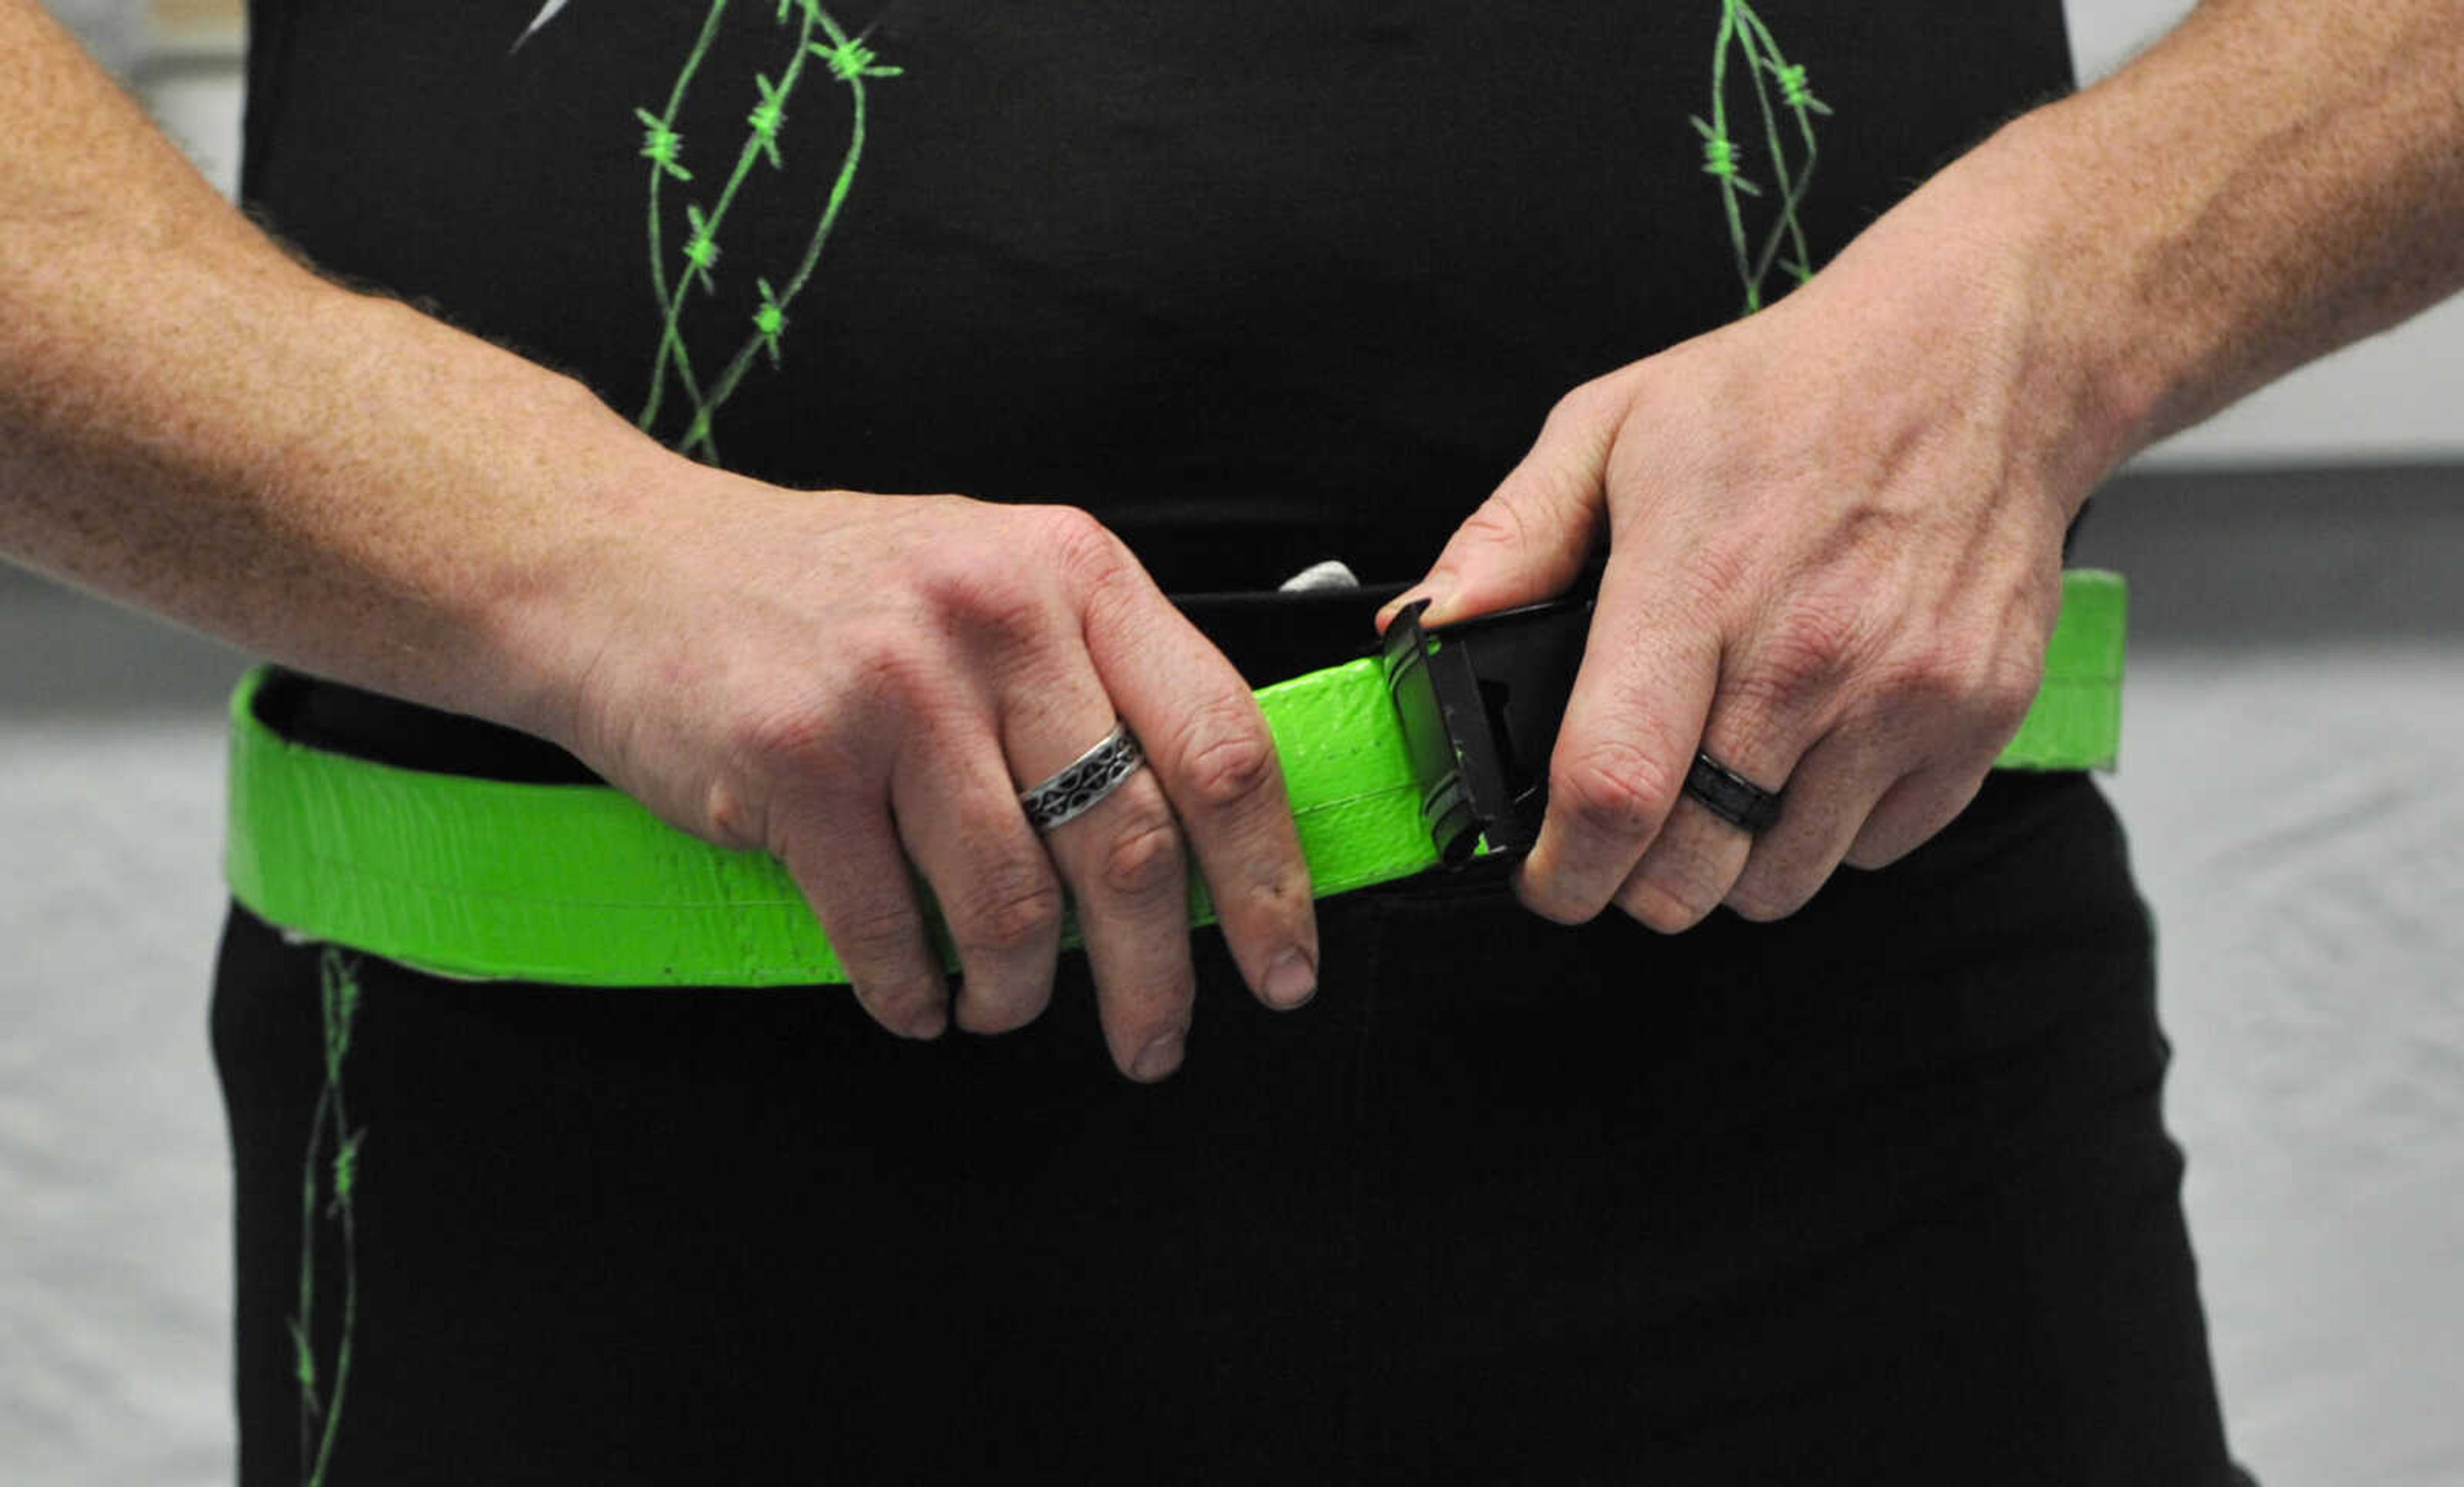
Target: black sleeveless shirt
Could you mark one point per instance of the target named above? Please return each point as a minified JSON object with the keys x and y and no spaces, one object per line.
{"x":1257,"y":284}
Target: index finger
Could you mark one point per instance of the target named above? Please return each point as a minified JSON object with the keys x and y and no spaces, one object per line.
{"x":1640,"y":698}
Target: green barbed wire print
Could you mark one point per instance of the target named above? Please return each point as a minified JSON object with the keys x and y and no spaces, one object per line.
{"x":333,"y":1157}
{"x":693,"y":266}
{"x":688,"y":269}
{"x":1780,"y":91}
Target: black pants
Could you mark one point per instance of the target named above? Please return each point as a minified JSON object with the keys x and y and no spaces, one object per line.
{"x":1880,"y":1194}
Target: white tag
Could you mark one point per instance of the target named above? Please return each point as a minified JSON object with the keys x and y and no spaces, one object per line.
{"x":1318,"y":577}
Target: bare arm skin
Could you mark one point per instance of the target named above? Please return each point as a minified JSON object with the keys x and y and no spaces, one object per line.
{"x":1833,"y":528}
{"x":193,"y":424}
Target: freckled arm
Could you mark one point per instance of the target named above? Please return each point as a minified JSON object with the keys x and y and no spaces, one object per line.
{"x":194,"y":423}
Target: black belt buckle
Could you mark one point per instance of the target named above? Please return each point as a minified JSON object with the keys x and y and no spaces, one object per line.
{"x":1480,"y":703}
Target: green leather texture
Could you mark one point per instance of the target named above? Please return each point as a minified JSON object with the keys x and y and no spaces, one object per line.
{"x":2075,"y":721}
{"x":580,"y":885}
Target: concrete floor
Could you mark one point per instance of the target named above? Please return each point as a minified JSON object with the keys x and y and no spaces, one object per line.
{"x":2290,"y":781}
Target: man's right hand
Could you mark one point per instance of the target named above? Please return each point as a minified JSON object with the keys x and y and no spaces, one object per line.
{"x":860,"y":683}
{"x":194,"y":423}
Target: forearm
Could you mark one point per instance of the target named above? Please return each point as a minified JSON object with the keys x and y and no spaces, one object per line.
{"x":192,"y":423}
{"x":1834,"y":527}
{"x":2276,"y":179}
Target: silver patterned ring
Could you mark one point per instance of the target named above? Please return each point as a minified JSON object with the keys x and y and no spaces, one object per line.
{"x":1087,"y":781}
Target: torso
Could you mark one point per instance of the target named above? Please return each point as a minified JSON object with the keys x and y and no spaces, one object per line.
{"x":1259,"y":284}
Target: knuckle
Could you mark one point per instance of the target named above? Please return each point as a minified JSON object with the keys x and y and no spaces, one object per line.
{"x":2010,"y":690}
{"x":1142,"y":860}
{"x":1690,"y":877}
{"x":1809,"y":648}
{"x":907,"y":1010}
{"x":991,"y":600}
{"x":873,"y":934}
{"x":1963,"y":684}
{"x":1496,"y":522}
{"x":1766,"y":901}
{"x":1017,"y":907}
{"x":1943,"y":670}
{"x":1614,"y":789}
{"x":1656,"y":905}
{"x":1886,"y":838}
{"x":1080,"y":545}
{"x":1543,"y":899}
{"x":1228,"y":758}
{"x":1711,"y":577}
{"x":981,"y":1015}
{"x":886,"y":666}
{"x":1109,"y":588}
{"x":993,"y":999}
{"x":1590,"y":402}
{"x":811,"y":740}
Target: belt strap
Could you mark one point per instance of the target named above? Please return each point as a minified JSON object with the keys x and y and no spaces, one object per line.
{"x":580,"y":885}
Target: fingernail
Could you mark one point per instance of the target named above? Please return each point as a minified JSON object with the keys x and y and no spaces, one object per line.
{"x":1435,"y":591}
{"x":1161,"y":1058}
{"x":1439,"y":592}
{"x":1291,"y":980}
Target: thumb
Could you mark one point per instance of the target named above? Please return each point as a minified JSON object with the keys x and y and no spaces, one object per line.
{"x":1528,"y":540}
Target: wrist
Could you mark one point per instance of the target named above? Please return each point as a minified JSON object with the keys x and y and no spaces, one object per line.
{"x":472,"y":506}
{"x":1970,"y":313}
{"x":2112,"y":364}
{"x":605,"y":508}
{"x":2269,"y":182}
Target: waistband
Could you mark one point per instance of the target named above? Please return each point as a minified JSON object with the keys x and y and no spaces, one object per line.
{"x":553,"y":877}
{"x":1267,"y":635}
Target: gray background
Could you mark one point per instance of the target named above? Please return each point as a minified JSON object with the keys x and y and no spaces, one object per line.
{"x":2297,"y":687}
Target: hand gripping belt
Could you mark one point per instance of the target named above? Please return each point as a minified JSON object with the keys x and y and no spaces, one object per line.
{"x":580,"y":885}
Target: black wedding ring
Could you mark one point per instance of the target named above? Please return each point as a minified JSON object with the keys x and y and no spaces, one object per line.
{"x":1731,"y":796}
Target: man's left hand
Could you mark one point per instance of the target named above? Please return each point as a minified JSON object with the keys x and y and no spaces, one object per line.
{"x":1833,"y":560}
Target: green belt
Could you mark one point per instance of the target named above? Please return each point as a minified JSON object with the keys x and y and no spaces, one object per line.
{"x":580,"y":885}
